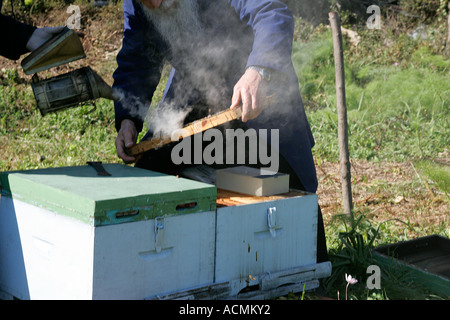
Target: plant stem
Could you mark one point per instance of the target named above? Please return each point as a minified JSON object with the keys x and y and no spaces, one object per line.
{"x":346,"y":287}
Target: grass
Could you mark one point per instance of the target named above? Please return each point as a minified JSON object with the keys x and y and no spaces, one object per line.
{"x":398,"y":112}
{"x":386,"y":104}
{"x":351,"y":253}
{"x":70,"y":137}
{"x":438,"y":173}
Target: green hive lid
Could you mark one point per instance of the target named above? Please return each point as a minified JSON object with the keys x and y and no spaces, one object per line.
{"x":129,"y":194}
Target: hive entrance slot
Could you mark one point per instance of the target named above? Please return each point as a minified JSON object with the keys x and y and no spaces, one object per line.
{"x":129,"y":213}
{"x":186,"y":206}
{"x":251,"y":288}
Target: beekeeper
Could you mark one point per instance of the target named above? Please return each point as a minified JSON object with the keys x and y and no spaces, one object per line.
{"x":230,"y":53}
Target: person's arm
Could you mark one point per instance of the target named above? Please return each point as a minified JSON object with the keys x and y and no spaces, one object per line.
{"x":273,"y":26}
{"x":20,"y":38}
{"x":135,"y":79}
{"x":15,"y":36}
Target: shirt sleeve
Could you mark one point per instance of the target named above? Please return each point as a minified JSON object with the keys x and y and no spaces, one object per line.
{"x":139,"y":68}
{"x":15,"y":36}
{"x":273,"y":28}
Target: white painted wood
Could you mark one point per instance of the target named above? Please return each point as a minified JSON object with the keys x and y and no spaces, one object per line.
{"x":128,"y":265}
{"x":294,"y":275}
{"x":245,"y":247}
{"x":48,"y":256}
{"x":270,"y":285}
{"x":44,"y":255}
{"x":221,"y":291}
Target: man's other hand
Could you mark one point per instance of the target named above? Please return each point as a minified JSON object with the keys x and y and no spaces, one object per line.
{"x":126,"y":138}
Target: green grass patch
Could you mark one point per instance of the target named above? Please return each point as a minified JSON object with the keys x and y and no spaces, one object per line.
{"x":395,"y":113}
{"x":438,"y":173}
{"x":70,"y":137}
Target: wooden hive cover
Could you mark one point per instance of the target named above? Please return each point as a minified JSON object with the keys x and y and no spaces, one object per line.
{"x":129,"y":194}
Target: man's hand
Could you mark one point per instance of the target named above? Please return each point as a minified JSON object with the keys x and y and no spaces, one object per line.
{"x":40,"y":35}
{"x":126,"y":138}
{"x":250,"y":91}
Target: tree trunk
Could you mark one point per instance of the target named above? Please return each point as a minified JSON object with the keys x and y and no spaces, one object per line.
{"x":342,"y":114}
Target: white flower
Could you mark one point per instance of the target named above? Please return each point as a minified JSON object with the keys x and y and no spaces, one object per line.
{"x":350,"y":279}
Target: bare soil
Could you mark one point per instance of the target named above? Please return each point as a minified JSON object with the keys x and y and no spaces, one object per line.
{"x":100,"y":33}
{"x":384,"y":191}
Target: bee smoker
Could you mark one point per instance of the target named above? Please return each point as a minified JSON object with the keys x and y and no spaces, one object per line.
{"x":69,"y":90}
{"x":66,"y":90}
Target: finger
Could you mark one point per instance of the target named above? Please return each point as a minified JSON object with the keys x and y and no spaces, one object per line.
{"x":125,"y":157}
{"x":246,"y":106}
{"x":121,"y":150}
{"x":256,"y":107}
{"x":129,"y":139}
{"x":236,"y":99}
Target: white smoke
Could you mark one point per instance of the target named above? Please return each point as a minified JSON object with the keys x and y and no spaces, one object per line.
{"x":166,"y":120}
{"x":203,"y":59}
{"x":162,"y":121}
{"x":179,"y":24}
{"x":136,"y":107}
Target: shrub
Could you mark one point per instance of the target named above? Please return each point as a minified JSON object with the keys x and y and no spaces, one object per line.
{"x":424,"y":9}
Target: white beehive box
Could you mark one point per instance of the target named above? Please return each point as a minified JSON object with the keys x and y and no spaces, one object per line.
{"x":265,"y":247}
{"x":67,"y":233}
{"x":258,"y":238}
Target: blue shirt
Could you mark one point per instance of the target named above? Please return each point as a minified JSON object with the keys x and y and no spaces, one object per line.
{"x":251,"y":32}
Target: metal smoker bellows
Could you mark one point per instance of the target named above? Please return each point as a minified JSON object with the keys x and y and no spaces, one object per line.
{"x":67,"y":90}
{"x":70,"y":90}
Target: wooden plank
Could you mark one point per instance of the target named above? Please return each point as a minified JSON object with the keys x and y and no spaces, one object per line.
{"x":299,"y":279}
{"x":212,"y":291}
{"x":221,"y":291}
{"x":232,"y":198}
{"x":195,"y":127}
{"x":278,"y":292}
{"x":189,"y":130}
{"x":295,"y":275}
